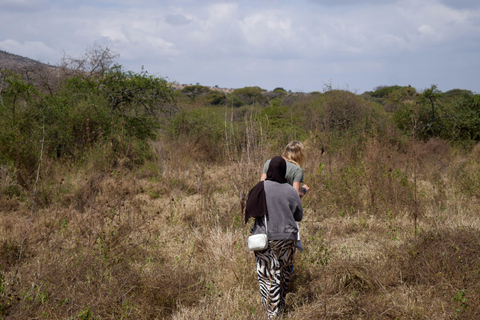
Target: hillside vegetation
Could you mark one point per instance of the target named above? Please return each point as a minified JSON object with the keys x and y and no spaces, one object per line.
{"x":122,"y":198}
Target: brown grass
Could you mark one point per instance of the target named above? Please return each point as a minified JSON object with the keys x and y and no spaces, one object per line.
{"x":167,"y":240}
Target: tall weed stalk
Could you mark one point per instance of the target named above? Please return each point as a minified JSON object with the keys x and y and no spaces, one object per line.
{"x":30,"y":221}
{"x":246,"y":147}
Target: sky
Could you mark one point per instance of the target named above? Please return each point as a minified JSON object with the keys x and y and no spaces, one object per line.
{"x":299,"y":45}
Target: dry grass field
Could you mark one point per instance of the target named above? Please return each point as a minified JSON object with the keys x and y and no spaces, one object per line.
{"x":123,"y":198}
{"x":389,"y":233}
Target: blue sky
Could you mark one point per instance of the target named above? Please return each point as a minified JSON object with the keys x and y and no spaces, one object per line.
{"x":300,"y":45}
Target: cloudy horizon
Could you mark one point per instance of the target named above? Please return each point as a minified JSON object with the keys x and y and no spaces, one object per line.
{"x":298,"y":45}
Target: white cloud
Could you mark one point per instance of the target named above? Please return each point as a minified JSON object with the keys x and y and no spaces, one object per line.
{"x":426,"y":30}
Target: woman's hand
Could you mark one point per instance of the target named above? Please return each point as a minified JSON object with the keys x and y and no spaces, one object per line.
{"x":301,"y":190}
{"x":304,"y":189}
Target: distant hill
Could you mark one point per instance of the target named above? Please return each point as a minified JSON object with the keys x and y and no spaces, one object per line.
{"x":10,"y":61}
{"x":44,"y":76}
{"x":19,"y":64}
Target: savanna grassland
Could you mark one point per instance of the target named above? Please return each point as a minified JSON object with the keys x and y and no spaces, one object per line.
{"x":122,"y":198}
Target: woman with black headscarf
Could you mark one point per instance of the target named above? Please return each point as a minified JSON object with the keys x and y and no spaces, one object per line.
{"x":283,"y":208}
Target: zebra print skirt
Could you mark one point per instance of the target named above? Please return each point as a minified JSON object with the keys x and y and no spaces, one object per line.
{"x":273,"y":271}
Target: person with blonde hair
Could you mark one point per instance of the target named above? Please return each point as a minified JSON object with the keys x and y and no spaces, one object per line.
{"x":294,"y":155}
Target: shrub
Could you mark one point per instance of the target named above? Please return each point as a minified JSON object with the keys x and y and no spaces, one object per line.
{"x":213,"y":98}
{"x":194,"y":91}
{"x":284,"y":123}
{"x":384,"y":91}
{"x":85,"y":112}
{"x":467,"y":116}
{"x":202,"y":128}
{"x":428,"y":115}
{"x":448,"y":261}
{"x":250,"y":95}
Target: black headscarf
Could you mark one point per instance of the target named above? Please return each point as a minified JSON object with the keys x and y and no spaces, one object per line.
{"x":277,"y":170}
{"x":256,"y":202}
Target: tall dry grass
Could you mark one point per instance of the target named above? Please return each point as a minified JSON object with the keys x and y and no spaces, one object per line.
{"x":166,"y":239}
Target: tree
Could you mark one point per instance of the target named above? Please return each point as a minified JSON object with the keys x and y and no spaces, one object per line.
{"x":96,"y":60}
{"x":15,"y":90}
{"x":431,"y":95}
{"x":384,"y":91}
{"x":138,"y":93}
{"x":250,"y":95}
{"x":87,"y":110}
{"x":467,"y":111}
{"x":195,"y":91}
{"x":398,"y":98}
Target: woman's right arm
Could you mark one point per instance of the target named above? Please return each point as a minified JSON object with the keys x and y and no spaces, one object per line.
{"x":298,"y":186}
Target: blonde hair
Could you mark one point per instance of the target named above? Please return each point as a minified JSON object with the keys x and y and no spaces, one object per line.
{"x":294,"y":152}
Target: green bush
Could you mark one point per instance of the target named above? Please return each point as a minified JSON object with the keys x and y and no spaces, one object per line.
{"x":86,"y":112}
{"x":283,"y":123}
{"x":250,"y":95}
{"x":202,"y":128}
{"x":455,"y":94}
{"x":384,"y":91}
{"x":213,"y":98}
{"x":467,"y":114}
{"x":195,"y":91}
{"x":432,"y":114}
{"x":234,"y":101}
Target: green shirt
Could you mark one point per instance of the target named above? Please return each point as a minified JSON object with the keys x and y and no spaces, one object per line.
{"x":294,"y":172}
